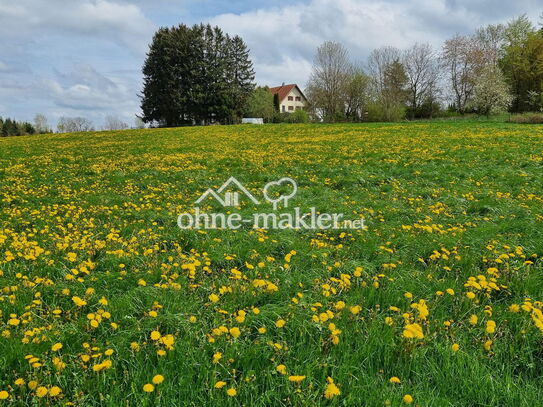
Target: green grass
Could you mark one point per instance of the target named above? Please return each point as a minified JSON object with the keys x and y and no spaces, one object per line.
{"x":469,"y":191}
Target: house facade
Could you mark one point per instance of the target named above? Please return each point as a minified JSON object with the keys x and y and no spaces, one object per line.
{"x":291,"y":98}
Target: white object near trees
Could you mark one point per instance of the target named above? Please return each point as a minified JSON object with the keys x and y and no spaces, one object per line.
{"x":252,"y":120}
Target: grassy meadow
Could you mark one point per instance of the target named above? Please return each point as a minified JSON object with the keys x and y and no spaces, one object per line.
{"x":104,"y":301}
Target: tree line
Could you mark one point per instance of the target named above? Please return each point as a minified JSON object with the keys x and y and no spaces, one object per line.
{"x":496,"y":69}
{"x":40,"y":125}
{"x":10,"y":127}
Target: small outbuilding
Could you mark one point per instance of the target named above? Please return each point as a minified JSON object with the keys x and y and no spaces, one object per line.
{"x":252,"y":120}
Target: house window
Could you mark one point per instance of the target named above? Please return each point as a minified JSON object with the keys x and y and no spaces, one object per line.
{"x":290,"y":98}
{"x":291,"y":108}
{"x":298,"y":107}
{"x":283,"y":108}
{"x":298,"y":99}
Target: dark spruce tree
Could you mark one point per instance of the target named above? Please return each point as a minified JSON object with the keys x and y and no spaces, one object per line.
{"x":158,"y":100}
{"x":195,"y":75}
{"x":240,"y":76}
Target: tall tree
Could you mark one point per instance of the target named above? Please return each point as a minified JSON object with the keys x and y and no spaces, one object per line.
{"x":422,"y":72}
{"x":240,"y":75}
{"x":327,"y":81}
{"x":389,"y":81}
{"x":356,"y":94}
{"x":464,"y":59}
{"x":522,"y":63}
{"x":163,"y":92}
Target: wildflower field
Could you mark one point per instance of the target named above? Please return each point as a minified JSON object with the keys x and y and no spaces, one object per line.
{"x":104,"y":301}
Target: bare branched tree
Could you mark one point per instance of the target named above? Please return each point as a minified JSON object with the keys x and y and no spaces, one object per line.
{"x":464,"y":59}
{"x":491,"y":40}
{"x":327,"y":82}
{"x":388,"y":79}
{"x":114,"y":123}
{"x":378,"y":62}
{"x":356,"y":94}
{"x":74,"y":124}
{"x":422,"y":71}
{"x":40,"y":124}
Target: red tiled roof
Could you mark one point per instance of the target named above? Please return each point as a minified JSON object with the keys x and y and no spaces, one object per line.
{"x":284,"y":90}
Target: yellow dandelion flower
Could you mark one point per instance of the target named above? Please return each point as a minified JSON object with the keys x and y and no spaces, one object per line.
{"x":281,"y":369}
{"x":157,"y":379}
{"x":235,"y":332}
{"x":41,"y":391}
{"x":413,"y":331}
{"x":56,"y":347}
{"x":331,"y":389}
{"x":148,"y":388}
{"x":355,"y":309}
{"x":490,"y":327}
{"x":216,"y":357}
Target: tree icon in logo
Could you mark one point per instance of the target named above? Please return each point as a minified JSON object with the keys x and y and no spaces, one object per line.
{"x":282,"y":198}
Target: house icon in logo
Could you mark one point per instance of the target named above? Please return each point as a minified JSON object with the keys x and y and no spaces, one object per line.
{"x":230,"y":198}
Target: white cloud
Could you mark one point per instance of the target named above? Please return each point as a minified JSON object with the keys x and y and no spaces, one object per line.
{"x":283,"y":40}
{"x":85,"y":89}
{"x":287,"y":70}
{"x":119,"y":22}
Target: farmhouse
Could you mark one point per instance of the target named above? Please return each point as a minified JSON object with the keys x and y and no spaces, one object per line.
{"x":291,"y":98}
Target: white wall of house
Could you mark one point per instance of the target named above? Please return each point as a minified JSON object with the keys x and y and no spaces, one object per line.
{"x":297,"y":102}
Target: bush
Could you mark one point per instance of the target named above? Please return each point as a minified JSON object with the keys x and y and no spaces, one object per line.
{"x":527,"y":118}
{"x":377,"y":113}
{"x":298,"y":116}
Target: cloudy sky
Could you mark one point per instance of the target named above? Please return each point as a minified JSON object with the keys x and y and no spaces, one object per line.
{"x":84,"y":57}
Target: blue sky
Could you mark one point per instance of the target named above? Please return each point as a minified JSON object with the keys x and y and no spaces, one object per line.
{"x":84,"y":57}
